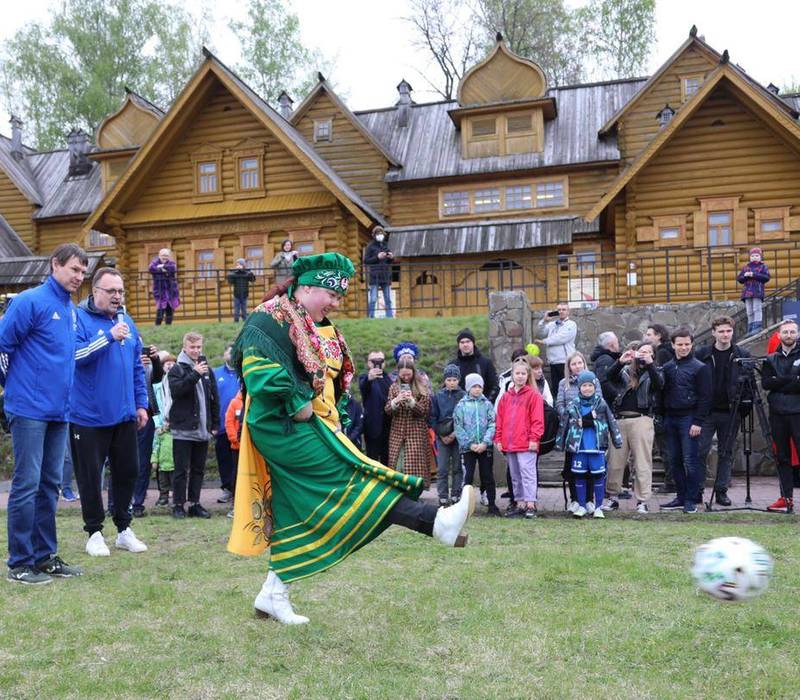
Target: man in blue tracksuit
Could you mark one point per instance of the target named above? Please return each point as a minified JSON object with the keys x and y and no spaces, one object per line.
{"x":109,"y":404}
{"x":37,"y":351}
{"x":227,"y":388}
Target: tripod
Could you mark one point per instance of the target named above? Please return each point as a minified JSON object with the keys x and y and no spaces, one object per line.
{"x":745,"y":387}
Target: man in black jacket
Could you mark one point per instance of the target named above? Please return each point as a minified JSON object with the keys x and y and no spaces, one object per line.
{"x":240,"y":278}
{"x":194,"y":420}
{"x":603,"y":357}
{"x":687,"y":399}
{"x":374,"y":385}
{"x":378,"y":259}
{"x":780,"y":376}
{"x":470,"y":361}
{"x":724,"y":381}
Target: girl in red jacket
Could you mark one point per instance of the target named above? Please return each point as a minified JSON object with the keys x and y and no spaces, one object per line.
{"x":520,"y":425}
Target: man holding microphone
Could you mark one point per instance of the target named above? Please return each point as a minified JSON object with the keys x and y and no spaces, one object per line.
{"x":108,"y":405}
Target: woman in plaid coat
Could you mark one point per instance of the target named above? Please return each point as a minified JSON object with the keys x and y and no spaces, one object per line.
{"x":409,"y":403}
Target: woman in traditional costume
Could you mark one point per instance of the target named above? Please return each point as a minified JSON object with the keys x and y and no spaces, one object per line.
{"x":303,"y":489}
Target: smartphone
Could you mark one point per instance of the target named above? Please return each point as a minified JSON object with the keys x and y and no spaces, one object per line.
{"x":202,"y":358}
{"x":554,"y":312}
{"x":405,"y":387}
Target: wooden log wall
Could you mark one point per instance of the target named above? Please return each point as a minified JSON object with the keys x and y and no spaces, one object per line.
{"x":18,"y":211}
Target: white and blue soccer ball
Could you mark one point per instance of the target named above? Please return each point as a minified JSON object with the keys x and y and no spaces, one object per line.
{"x":732,"y":568}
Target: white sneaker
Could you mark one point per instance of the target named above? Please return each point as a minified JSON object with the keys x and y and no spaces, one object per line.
{"x":451,"y":520}
{"x":642,"y":508}
{"x":127,"y":540}
{"x":484,"y":499}
{"x":579,"y":512}
{"x":590,"y":508}
{"x":96,"y":546}
{"x":573,"y":506}
{"x":273,"y":601}
{"x":598,"y":513}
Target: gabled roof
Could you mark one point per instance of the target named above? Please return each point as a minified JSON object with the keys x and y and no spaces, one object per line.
{"x":19,"y":172}
{"x":324,"y":86}
{"x":11,"y":245}
{"x":755,"y":96}
{"x":289,"y":137}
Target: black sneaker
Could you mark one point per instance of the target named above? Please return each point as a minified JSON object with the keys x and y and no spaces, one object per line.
{"x":494,"y":511}
{"x":722,"y":498}
{"x":529,"y":513}
{"x":28,"y":575}
{"x":55,"y":566}
{"x":690,"y":507}
{"x":139,"y":512}
{"x":197,"y":511}
{"x":514,"y":512}
{"x":624,"y":495}
{"x":674,"y":504}
{"x":178,"y":512}
{"x":162,"y":500}
{"x":444,"y":502}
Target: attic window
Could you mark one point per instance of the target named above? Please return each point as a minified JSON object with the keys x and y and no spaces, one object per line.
{"x":248,"y":174}
{"x":519,"y":123}
{"x":690,"y":84}
{"x":518,"y":197}
{"x":323,"y":130}
{"x":482,"y":128}
{"x":550,"y":194}
{"x":100,"y":240}
{"x":487,"y":200}
{"x":207,"y":177}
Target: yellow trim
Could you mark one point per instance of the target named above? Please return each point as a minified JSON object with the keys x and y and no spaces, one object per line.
{"x":258,"y":368}
{"x":314,"y":512}
{"x":316,"y":527}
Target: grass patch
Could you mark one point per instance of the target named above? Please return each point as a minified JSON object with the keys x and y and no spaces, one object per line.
{"x":548,"y":609}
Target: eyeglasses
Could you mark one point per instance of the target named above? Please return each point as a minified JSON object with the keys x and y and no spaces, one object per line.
{"x":112,"y":292}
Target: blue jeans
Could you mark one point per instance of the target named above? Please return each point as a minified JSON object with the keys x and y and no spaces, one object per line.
{"x":684,"y":451}
{"x":239,"y":308}
{"x":144,"y":439}
{"x":39,"y":448}
{"x":372,"y":299}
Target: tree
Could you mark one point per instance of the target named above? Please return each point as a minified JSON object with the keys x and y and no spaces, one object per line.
{"x":451,"y":41}
{"x":274,"y":57}
{"x":619,"y":35}
{"x":72,"y":71}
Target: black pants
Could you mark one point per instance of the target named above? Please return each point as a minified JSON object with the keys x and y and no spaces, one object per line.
{"x":414,"y":515}
{"x":784,"y":427}
{"x":235,"y":473}
{"x":484,"y":464}
{"x":90,"y":447}
{"x":378,"y":448}
{"x":662,"y":447}
{"x":190,"y":458}
{"x":222,"y":447}
{"x":166,"y":314}
{"x":556,"y":375}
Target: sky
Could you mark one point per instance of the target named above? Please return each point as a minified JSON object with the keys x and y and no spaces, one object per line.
{"x":371,"y":45}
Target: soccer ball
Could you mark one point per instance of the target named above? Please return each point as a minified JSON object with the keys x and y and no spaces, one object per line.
{"x":732,"y":568}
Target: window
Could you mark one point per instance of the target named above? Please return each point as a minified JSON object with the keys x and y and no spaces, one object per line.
{"x":204,"y":260}
{"x":586,"y":262}
{"x":249,"y":178}
{"x":518,"y":197}
{"x":772,"y":226}
{"x":101,"y":240}
{"x":690,"y":84}
{"x":550,"y":194}
{"x":519,"y":123}
{"x":254,"y":255}
{"x":669,"y":233}
{"x":454,"y":203}
{"x":719,"y":228}
{"x":482,"y":128}
{"x":323,"y":130}
{"x":487,"y":200}
{"x":207,"y":177}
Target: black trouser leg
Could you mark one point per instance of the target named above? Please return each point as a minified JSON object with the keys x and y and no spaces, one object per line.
{"x":197,"y":466}
{"x":509,"y":485}
{"x":470,"y":461}
{"x":123,"y":456}
{"x":784,"y":428}
{"x":414,"y":515}
{"x":378,"y":448}
{"x":159,"y":316}
{"x":90,"y":447}
{"x":568,"y":476}
{"x":235,"y":457}
{"x":222,"y":448}
{"x":168,"y":315}
{"x":181,"y":455}
{"x":556,"y":375}
{"x":487,"y":476}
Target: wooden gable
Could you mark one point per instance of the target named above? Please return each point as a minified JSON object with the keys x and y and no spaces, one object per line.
{"x":17,"y":211}
{"x":131,"y":125}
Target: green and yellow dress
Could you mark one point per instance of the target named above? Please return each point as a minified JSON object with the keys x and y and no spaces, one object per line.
{"x":303,"y":489}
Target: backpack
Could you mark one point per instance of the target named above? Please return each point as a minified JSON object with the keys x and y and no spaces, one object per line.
{"x":548,"y":441}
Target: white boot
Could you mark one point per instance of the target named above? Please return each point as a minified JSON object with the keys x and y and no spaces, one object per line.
{"x":450,"y":521}
{"x":273,"y":601}
{"x":96,"y":546}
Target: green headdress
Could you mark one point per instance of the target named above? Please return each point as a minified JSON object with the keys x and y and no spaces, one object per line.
{"x":330,"y":271}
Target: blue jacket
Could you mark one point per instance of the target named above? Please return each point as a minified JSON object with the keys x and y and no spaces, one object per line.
{"x":227,"y":387}
{"x":109,"y":375}
{"x":37,"y":342}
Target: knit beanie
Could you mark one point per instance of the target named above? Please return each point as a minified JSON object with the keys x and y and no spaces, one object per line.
{"x":465,"y":333}
{"x":472,"y":380}
{"x":756,"y":251}
{"x":452,"y":371}
{"x":586,"y":376}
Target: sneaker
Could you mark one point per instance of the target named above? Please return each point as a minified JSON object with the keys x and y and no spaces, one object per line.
{"x":139,"y":512}
{"x":514,"y":512}
{"x":598,"y":513}
{"x":162,"y":500}
{"x":530,"y":513}
{"x":579,"y":512}
{"x":674,"y":504}
{"x":484,"y":499}
{"x":722,"y":499}
{"x":178,"y":512}
{"x":127,"y":540}
{"x":96,"y":546}
{"x":197,"y":511}
{"x":226,"y":496}
{"x":690,"y":507}
{"x":590,"y":509}
{"x":624,"y":495}
{"x":573,"y":506}
{"x":641,"y":507}
{"x":494,"y":511}
{"x":55,"y":566}
{"x":612,"y":504}
{"x":69,"y":495}
{"x":452,"y":501}
{"x":28,"y":575}
{"x":778,"y":506}
{"x":505,"y":494}
{"x":444,"y":502}
{"x":230,"y":513}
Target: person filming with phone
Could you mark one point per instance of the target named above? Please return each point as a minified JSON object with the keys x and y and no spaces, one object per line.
{"x":374,"y":386}
{"x":194,"y":420}
{"x":558,"y":333}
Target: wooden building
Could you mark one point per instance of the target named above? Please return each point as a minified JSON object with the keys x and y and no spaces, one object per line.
{"x":628,"y":191}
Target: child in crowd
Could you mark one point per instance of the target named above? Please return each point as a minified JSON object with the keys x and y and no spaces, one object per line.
{"x":474,"y":422}
{"x":520,"y":426}
{"x":448,"y":462}
{"x":753,"y":276}
{"x":233,"y":429}
{"x":161,"y":456}
{"x":584,"y":433}
{"x":537,"y":367}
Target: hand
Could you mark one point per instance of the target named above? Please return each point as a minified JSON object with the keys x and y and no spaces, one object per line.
{"x":533,"y":446}
{"x":646,"y":358}
{"x":146,"y":361}
{"x":498,"y":446}
{"x":141,"y":418}
{"x":389,"y":254}
{"x":474,"y":447}
{"x":405,"y":396}
{"x":304,"y":414}
{"x":201,"y":368}
{"x":375,"y":373}
{"x":748,"y":274}
{"x":152,"y":350}
{"x":381,"y":256}
{"x":695,"y":430}
{"x":481,"y":448}
{"x":627,"y":356}
{"x":120,"y":331}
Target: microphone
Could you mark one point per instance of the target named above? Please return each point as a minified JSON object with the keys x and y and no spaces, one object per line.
{"x":121,"y":319}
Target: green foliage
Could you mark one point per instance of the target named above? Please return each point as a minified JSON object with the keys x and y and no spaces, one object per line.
{"x":72,"y":70}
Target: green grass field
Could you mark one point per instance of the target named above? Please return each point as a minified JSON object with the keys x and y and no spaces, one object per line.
{"x":546,"y":609}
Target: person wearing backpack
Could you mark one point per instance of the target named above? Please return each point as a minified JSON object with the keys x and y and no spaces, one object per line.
{"x":639,"y":381}
{"x":448,"y":462}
